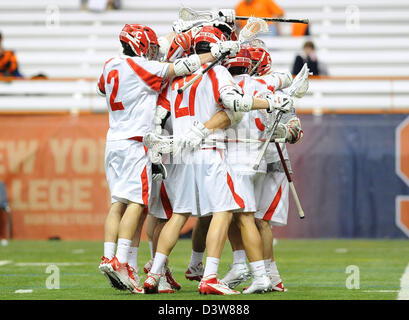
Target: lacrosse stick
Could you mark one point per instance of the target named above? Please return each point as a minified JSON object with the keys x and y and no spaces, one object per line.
{"x":291,"y":91}
{"x":212,"y":140}
{"x":290,"y":181}
{"x":250,"y":30}
{"x":188,"y":14}
{"x":305,"y":21}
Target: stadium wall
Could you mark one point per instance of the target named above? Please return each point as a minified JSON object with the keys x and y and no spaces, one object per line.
{"x":351,"y":172}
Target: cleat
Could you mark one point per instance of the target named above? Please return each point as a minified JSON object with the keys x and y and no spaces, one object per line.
{"x":238,"y":273}
{"x":194,"y":272}
{"x":151,"y":283}
{"x":164,"y":286}
{"x":120,"y":272}
{"x":148,"y":266}
{"x":134,"y":279}
{"x":259,"y":285}
{"x":211,"y":285}
{"x":170,"y":279}
{"x":112,"y":280}
{"x":277,"y":284}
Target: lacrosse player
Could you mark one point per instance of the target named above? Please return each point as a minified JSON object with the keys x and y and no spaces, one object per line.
{"x":131,"y":83}
{"x":272,"y":198}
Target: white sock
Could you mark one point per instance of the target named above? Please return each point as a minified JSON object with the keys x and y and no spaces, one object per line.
{"x":158,"y":263}
{"x":239,"y":256}
{"x":212,"y":265}
{"x":196,"y":258}
{"x":109,"y":249}
{"x":273,"y":269}
{"x":133,"y":257}
{"x":151,"y":249}
{"x":122,"y":250}
{"x":267,"y":265}
{"x":258,"y":268}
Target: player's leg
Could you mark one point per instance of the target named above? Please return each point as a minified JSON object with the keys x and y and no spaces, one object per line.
{"x":239,"y":271}
{"x":268,"y":255}
{"x":167,"y":240}
{"x":150,"y":229}
{"x":254,"y":250}
{"x":112,"y":221}
{"x":195,"y":268}
{"x":133,"y":253}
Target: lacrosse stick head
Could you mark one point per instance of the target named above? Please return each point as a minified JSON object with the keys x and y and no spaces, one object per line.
{"x":253,"y":27}
{"x":157,"y":143}
{"x":188,"y":14}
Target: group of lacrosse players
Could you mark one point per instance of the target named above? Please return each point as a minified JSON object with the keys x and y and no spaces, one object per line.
{"x":189,"y":113}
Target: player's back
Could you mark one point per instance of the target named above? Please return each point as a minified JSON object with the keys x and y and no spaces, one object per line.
{"x":131,"y":85}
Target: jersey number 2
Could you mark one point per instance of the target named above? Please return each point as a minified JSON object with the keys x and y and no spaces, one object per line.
{"x":114,"y":105}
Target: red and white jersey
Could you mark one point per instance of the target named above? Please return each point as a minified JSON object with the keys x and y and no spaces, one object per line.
{"x":199,"y":102}
{"x":131,"y":86}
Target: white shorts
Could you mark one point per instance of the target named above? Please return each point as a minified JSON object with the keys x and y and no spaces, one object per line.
{"x":128,"y":171}
{"x":160,"y":206}
{"x":273,"y":199}
{"x":249,"y":186}
{"x":204,"y":186}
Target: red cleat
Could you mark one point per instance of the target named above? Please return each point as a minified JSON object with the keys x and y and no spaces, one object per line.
{"x":151,"y":283}
{"x":194,"y":272}
{"x":211,"y":285}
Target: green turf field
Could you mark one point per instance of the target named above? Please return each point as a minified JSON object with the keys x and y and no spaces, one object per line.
{"x":310,"y":269}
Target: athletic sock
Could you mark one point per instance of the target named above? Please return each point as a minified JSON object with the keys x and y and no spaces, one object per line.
{"x":109,"y":249}
{"x":196,"y":258}
{"x":239,"y":256}
{"x":158,"y":263}
{"x":273,"y":269}
{"x":212,"y":265}
{"x":258,"y":268}
{"x":267,"y":265}
{"x":122,"y":251}
{"x":151,"y":249}
{"x":133,"y":257}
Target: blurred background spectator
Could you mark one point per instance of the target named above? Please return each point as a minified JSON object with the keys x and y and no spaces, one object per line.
{"x":309,"y":56}
{"x":260,"y":8}
{"x":300,"y":29}
{"x":8,"y":62}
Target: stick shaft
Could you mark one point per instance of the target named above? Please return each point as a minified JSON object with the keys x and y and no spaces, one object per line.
{"x":290,"y":181}
{"x":305,"y":21}
{"x":189,"y":83}
{"x":265,"y":145}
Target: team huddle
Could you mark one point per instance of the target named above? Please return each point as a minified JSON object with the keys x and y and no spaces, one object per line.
{"x":189,"y":113}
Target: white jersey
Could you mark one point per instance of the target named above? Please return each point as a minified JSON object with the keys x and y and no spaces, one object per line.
{"x":197,"y":103}
{"x":131,"y":86}
{"x":272,"y":82}
{"x":242,"y":156}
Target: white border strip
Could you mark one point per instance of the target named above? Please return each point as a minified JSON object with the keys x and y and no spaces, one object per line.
{"x":404,"y":285}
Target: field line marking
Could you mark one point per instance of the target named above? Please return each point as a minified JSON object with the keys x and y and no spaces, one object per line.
{"x":404,"y":285}
{"x":24,"y":291}
{"x":4,"y":262}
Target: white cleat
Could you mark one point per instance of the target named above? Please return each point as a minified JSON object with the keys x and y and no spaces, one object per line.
{"x":238,"y":273}
{"x":195,"y":272}
{"x":259,"y":285}
{"x":148,"y":266}
{"x":135,"y":281}
{"x":164,"y":286}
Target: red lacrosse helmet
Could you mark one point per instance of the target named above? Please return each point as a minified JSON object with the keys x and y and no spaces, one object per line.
{"x":261,"y":60}
{"x":242,"y":59}
{"x":205,"y":36}
{"x":142,"y":40}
